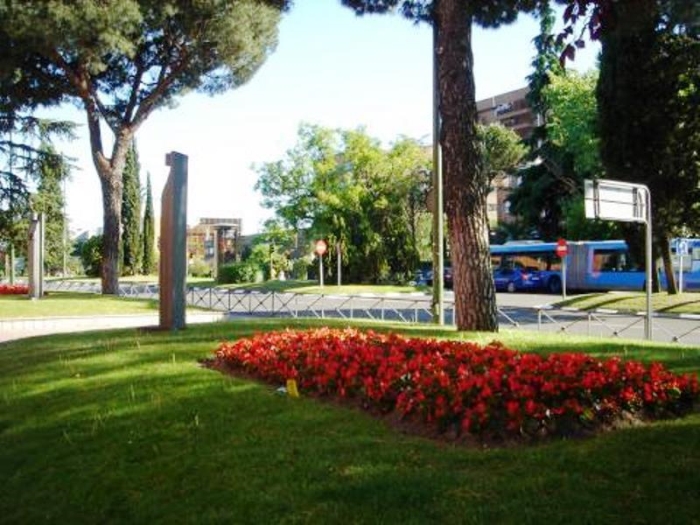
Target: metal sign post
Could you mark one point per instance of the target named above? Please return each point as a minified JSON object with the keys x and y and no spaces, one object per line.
{"x":681,"y":250}
{"x":438,"y":305}
{"x":321,"y":248}
{"x":562,"y":250}
{"x":623,"y":201}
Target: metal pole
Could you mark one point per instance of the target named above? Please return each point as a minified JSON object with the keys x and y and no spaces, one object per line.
{"x":680,"y":265}
{"x":647,"y":320}
{"x":12,"y":263}
{"x":65,"y":232}
{"x":563,"y":276}
{"x":337,"y":249}
{"x":438,"y":228}
{"x":320,"y":270}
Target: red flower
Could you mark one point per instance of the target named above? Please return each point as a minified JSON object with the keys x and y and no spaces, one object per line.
{"x":448,"y":382}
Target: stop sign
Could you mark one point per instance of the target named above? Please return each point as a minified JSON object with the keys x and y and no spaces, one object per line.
{"x":321,"y":247}
{"x":562,"y":249}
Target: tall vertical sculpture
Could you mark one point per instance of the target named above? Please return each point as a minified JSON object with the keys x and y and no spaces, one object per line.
{"x":37,"y":224}
{"x":173,"y":244}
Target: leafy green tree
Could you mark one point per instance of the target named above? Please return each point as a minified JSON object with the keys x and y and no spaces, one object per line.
{"x":281,"y":241}
{"x":563,"y":148}
{"x":545,"y":65}
{"x":121,"y":61}
{"x":149,"y":232}
{"x":132,"y":242}
{"x":91,"y":255}
{"x":21,"y":163}
{"x":345,"y":188}
{"x":49,"y":200}
{"x":466,"y":183}
{"x":566,"y":155}
{"x":648,"y":95}
{"x":503,"y":150}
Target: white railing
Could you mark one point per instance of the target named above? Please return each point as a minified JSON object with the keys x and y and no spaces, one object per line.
{"x":409,"y":309}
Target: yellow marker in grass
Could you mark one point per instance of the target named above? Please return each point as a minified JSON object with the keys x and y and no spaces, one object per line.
{"x":292,"y":388}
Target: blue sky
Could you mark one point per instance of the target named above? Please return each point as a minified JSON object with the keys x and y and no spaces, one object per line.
{"x":330,"y":68}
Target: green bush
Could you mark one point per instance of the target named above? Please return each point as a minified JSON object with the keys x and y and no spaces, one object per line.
{"x":238,"y":272}
{"x":199,"y":268}
{"x":91,"y":256}
{"x":300,"y":269}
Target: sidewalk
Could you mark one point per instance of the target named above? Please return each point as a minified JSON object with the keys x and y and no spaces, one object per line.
{"x":13,"y":329}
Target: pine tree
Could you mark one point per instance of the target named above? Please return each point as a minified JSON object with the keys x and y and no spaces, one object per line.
{"x":49,"y":200}
{"x":120,"y":62}
{"x":132,"y":245}
{"x":149,"y":232}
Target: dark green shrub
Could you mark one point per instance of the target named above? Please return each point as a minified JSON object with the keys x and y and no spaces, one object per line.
{"x":91,"y":256}
{"x":238,"y":272}
{"x":300,"y":269}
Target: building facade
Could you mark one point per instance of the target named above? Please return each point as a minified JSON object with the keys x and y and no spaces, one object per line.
{"x":512,"y":111}
{"x":215,"y":240}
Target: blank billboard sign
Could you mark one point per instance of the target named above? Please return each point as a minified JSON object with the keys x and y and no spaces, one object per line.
{"x":615,"y":201}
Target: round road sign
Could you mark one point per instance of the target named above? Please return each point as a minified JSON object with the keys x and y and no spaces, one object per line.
{"x":562,"y":249}
{"x":321,"y":247}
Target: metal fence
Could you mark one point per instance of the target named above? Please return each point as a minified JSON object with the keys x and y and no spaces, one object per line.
{"x":409,"y":308}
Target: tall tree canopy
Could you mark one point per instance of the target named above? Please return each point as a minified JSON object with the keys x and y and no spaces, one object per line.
{"x":149,"y":261}
{"x":565,"y":155}
{"x":132,"y":244}
{"x":466,"y":182}
{"x":120,"y":61}
{"x":26,"y":155}
{"x":50,"y":200}
{"x":344,"y":187}
{"x":649,"y":94}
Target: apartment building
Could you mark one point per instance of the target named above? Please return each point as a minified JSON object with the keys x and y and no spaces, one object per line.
{"x":511,"y":110}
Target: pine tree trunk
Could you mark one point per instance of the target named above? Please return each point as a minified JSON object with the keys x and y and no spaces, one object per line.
{"x":665,"y":248}
{"x":466,"y":186}
{"x":111,"y":241}
{"x":110,"y":173}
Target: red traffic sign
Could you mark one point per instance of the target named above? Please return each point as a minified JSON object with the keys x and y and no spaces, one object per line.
{"x":321,"y":247}
{"x":562,"y":249}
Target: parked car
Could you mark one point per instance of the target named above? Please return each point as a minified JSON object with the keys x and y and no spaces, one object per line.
{"x":517,"y":278}
{"x":447,"y":277}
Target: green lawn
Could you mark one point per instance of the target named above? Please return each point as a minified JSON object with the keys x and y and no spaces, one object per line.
{"x":125,"y":427}
{"x":685,"y":303}
{"x":69,"y":304}
{"x":60,"y":304}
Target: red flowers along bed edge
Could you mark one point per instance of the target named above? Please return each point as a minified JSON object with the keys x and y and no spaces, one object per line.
{"x":14,"y":289}
{"x":484,"y":390}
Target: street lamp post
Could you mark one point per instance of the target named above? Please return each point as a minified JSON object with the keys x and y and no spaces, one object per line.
{"x":438,"y":227}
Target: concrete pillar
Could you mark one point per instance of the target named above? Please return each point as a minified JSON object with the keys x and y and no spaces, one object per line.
{"x":36,"y":255}
{"x":173,"y":244}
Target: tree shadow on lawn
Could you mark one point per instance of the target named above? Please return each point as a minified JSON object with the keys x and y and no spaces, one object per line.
{"x":193,"y":443}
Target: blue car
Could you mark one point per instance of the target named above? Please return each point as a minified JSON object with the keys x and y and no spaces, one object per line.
{"x":447,"y":277}
{"x":516,"y":278}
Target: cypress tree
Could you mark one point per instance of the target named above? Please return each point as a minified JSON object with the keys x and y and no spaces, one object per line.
{"x":149,"y":232}
{"x":49,"y":199}
{"x":131,"y":214}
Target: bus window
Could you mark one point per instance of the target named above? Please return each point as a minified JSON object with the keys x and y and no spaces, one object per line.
{"x":613,"y":261}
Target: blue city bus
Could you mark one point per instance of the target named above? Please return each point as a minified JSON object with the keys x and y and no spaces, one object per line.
{"x":591,"y":265}
{"x":526,"y":266}
{"x":689,"y":256}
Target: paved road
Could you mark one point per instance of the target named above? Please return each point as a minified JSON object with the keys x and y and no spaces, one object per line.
{"x":522,"y":311}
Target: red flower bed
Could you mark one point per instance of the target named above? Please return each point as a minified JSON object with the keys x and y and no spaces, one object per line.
{"x":483,"y":390}
{"x":13,"y":289}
